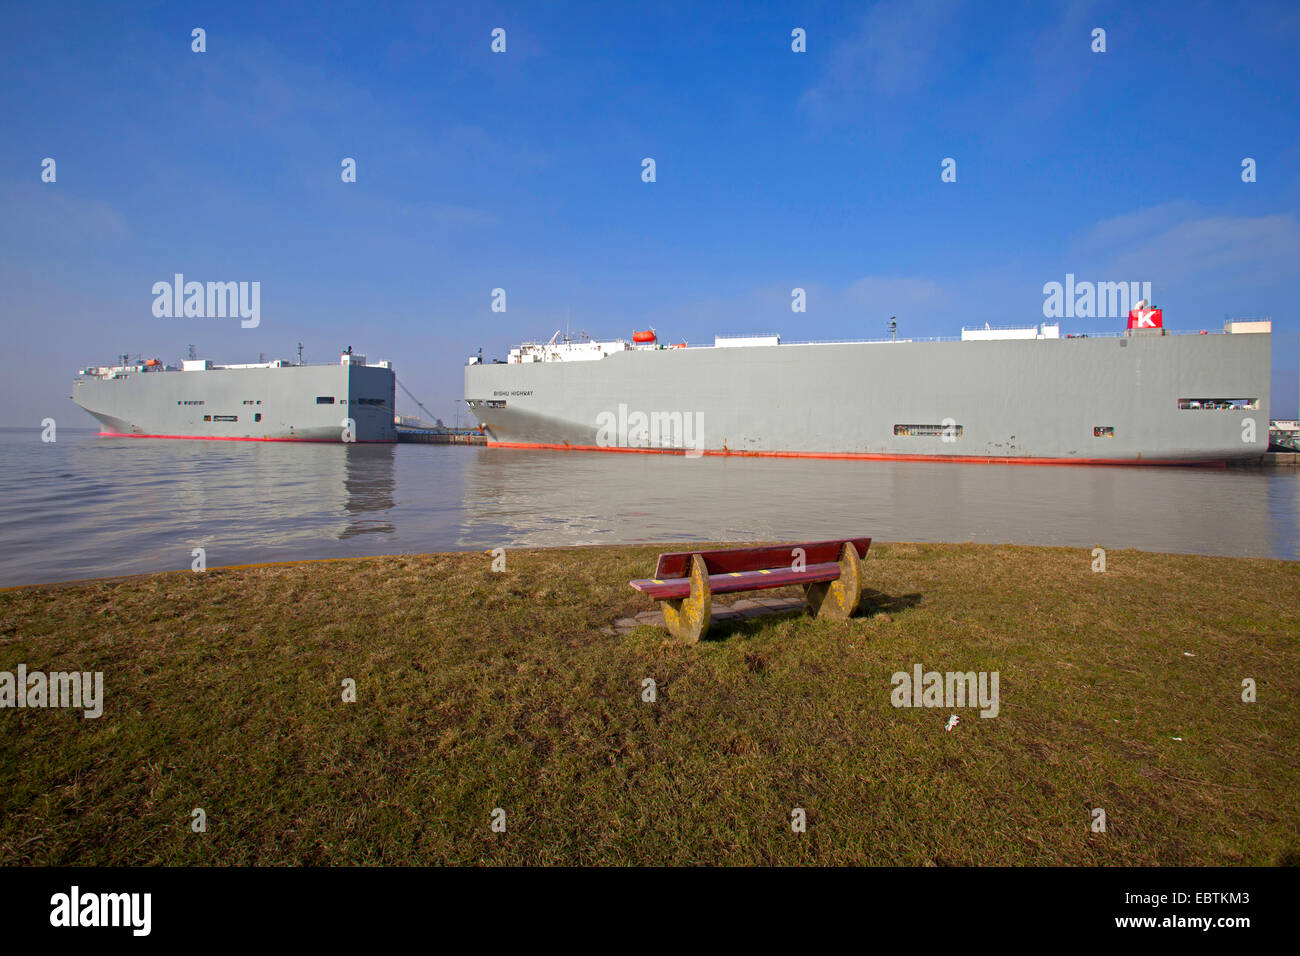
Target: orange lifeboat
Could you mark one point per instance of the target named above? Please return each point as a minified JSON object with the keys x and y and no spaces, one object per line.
{"x":679,"y":345}
{"x":152,"y":363}
{"x":643,"y":337}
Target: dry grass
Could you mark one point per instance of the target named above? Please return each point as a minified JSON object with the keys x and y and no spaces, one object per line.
{"x":480,"y":690}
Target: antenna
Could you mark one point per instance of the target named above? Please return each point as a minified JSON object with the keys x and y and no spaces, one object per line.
{"x":893,"y":328}
{"x":193,"y":354}
{"x":299,"y":353}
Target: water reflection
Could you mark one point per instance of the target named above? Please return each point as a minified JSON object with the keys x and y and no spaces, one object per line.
{"x":369,"y":487}
{"x":539,"y":498}
{"x":89,"y":507}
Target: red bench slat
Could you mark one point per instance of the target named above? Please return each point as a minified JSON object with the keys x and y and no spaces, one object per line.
{"x":730,"y":582}
{"x":677,"y":564}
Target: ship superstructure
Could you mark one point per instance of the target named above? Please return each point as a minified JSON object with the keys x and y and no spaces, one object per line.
{"x":263,"y":401}
{"x":1031,"y":394}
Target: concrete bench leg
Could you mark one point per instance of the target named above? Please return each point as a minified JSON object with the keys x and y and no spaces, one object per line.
{"x":688,"y":618}
{"x":837,"y":600}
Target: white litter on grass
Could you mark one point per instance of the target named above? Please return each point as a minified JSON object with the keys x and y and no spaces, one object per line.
{"x":1175,"y":738}
{"x":953,"y":721}
{"x":1188,"y":654}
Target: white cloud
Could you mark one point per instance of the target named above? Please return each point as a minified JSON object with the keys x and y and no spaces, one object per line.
{"x":1138,"y":224}
{"x":893,"y":295}
{"x":1172,"y":243}
{"x":888,"y":55}
{"x":48,"y":215}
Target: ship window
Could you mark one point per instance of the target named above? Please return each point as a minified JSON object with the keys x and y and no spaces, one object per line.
{"x":224,"y":418}
{"x":1103,"y":431}
{"x":324,"y":399}
{"x":1230,"y":404}
{"x":257,"y":417}
{"x":207,"y":418}
{"x":495,"y":404}
{"x":928,"y":431}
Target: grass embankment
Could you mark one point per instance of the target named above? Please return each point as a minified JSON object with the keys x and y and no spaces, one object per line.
{"x":479,"y":690}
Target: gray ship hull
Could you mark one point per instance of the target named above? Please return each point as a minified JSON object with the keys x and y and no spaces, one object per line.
{"x":1128,"y":399}
{"x":245,"y":404}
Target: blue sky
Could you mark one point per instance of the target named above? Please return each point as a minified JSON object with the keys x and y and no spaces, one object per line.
{"x":522,"y":171}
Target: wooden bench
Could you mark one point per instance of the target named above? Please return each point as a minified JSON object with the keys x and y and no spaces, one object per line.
{"x":684,"y":582}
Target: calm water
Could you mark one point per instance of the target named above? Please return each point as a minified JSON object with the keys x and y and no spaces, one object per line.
{"x":88,"y":506}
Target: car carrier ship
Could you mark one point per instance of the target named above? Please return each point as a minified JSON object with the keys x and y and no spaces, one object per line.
{"x":263,"y":401}
{"x":1028,"y":395}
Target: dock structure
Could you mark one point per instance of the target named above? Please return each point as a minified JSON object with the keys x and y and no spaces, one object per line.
{"x":1284,"y":436}
{"x":1269,"y":460}
{"x":1281,"y":459}
{"x":427,"y":436}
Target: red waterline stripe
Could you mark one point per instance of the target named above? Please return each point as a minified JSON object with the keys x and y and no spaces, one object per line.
{"x":320,"y":441}
{"x":864,"y":456}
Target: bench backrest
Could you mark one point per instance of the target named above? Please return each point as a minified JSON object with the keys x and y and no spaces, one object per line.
{"x":677,"y":564}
